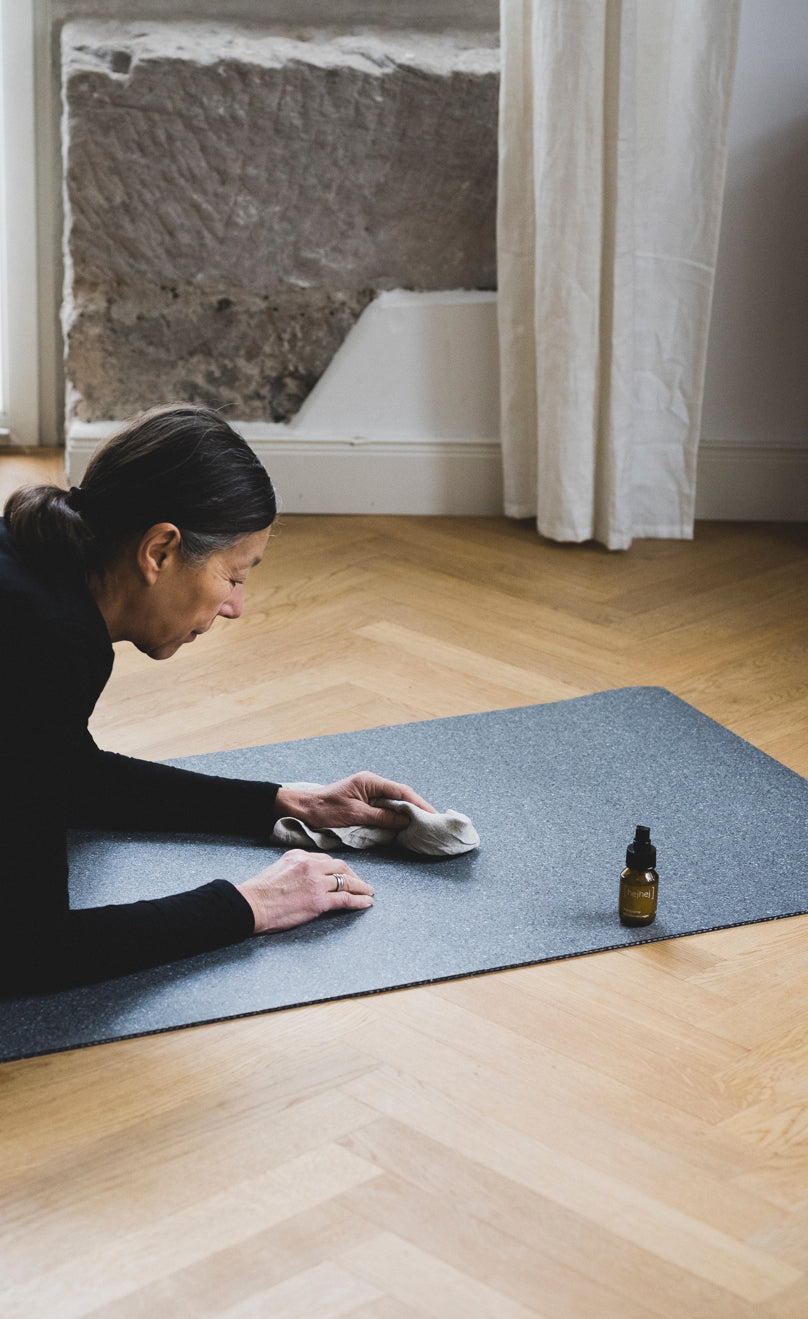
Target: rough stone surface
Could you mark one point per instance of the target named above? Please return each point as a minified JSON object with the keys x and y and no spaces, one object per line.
{"x":257,"y":355}
{"x":234,"y":197}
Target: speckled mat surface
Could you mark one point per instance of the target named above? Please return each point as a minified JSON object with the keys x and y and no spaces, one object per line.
{"x":555,"y":792}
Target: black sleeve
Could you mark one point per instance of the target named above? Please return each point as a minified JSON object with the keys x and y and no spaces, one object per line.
{"x":46,"y":692}
{"x":108,"y":791}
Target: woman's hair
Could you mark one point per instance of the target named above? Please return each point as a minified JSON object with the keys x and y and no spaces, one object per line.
{"x":178,"y":464}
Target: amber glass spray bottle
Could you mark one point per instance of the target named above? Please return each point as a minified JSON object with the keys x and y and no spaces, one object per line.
{"x":639,"y":882}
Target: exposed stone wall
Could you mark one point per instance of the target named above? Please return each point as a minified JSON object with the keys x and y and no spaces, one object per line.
{"x":234,"y":198}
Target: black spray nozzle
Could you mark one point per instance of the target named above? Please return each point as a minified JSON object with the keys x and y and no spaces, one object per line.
{"x":641,"y":854}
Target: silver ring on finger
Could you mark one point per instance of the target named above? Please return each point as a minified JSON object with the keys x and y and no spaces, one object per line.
{"x":340,"y":882}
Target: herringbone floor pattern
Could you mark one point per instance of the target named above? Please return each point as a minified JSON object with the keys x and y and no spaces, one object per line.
{"x":620,"y":1136}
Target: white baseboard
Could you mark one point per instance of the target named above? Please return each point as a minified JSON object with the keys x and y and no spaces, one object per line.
{"x":431,"y":476}
{"x":745,"y":483}
{"x":316,"y":474}
{"x":313,"y":474}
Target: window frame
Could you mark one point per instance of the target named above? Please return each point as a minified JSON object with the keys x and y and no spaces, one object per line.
{"x":19,"y":286}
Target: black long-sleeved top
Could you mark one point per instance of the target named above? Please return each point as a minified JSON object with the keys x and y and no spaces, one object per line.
{"x":55,"y":659}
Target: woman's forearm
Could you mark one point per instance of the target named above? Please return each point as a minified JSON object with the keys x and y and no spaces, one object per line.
{"x":110,"y":791}
{"x":42,"y":951}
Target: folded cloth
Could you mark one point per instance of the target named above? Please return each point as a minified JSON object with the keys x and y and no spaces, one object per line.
{"x":447,"y":834}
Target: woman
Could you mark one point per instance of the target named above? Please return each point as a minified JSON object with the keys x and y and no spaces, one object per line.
{"x":154,"y":545}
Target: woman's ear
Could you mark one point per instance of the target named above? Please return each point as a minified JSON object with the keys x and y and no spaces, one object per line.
{"x":159,"y":549}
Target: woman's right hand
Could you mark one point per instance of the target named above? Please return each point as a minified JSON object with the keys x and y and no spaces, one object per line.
{"x":300,"y":886}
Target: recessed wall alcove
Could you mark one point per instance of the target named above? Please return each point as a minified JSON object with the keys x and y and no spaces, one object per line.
{"x":237,"y":194}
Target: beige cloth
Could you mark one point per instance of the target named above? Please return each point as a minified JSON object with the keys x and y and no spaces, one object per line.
{"x":446,"y":834}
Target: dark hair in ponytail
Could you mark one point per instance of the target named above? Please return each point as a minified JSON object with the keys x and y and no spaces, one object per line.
{"x":178,"y":464}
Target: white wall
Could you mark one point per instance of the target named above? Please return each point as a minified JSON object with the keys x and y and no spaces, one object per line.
{"x":757,"y":369}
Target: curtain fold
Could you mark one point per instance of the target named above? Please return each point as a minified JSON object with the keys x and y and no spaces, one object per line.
{"x":613,"y":133}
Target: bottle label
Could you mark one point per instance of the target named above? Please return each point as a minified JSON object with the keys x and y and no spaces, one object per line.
{"x":637,"y":902}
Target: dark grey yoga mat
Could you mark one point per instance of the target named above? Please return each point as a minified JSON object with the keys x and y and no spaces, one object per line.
{"x":555,"y":792}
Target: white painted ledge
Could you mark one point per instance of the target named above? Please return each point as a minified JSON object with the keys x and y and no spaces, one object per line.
{"x":406,"y":421}
{"x":315,"y":474}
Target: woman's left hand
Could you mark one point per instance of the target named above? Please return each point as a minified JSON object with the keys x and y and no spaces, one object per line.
{"x":351,"y":801}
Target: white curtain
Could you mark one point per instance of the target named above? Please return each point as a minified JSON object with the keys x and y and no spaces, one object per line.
{"x":613,"y":130}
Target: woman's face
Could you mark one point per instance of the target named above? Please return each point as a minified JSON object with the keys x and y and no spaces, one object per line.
{"x":186,"y":599}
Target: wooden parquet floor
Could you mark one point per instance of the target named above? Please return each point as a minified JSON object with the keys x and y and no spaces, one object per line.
{"x":619,"y":1136}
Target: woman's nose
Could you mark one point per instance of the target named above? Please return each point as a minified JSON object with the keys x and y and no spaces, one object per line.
{"x":234,"y":604}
